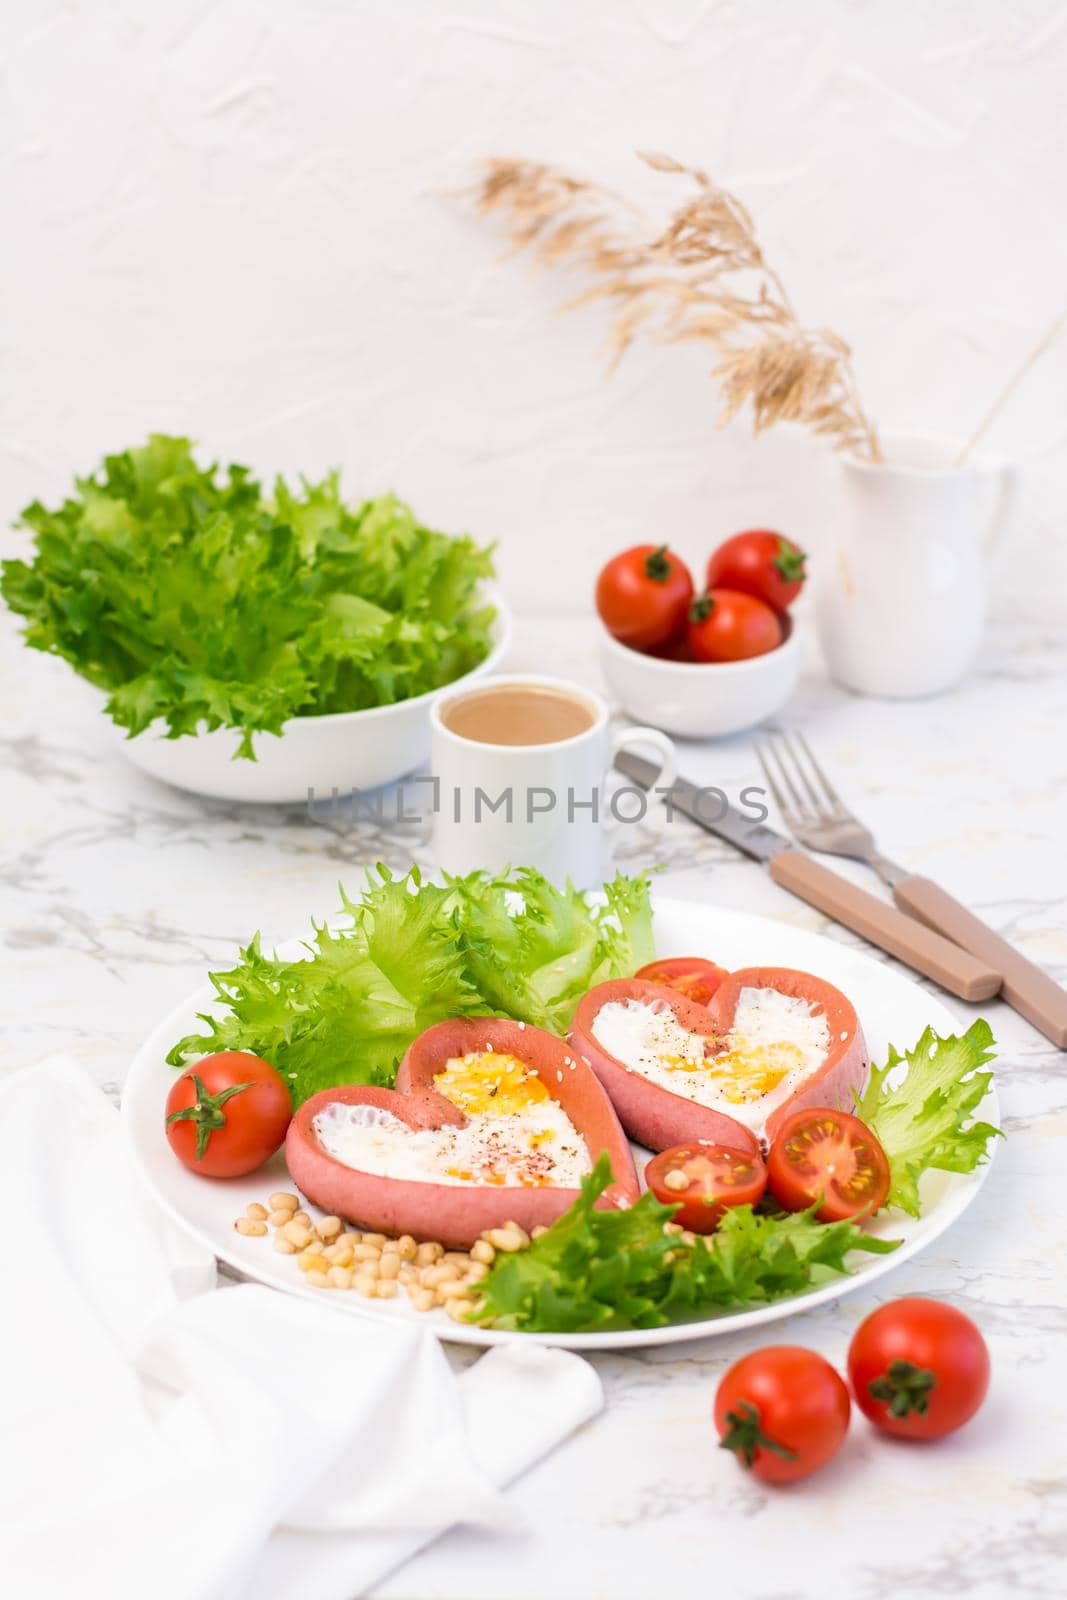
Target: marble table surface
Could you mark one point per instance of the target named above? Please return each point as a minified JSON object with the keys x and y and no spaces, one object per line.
{"x":119,"y":894}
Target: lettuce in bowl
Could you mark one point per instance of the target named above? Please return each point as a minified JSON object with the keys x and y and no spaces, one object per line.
{"x":194,"y":597}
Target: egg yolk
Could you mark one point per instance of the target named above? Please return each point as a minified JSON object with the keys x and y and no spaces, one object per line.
{"x":745,"y":1072}
{"x":491,"y":1083}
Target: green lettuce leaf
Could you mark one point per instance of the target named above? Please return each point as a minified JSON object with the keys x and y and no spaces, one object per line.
{"x":192,"y":595}
{"x":408,"y":954}
{"x":595,"y":1271}
{"x":924,"y":1121}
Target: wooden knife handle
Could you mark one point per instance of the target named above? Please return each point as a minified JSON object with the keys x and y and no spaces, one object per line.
{"x":1025,"y":987}
{"x":912,"y":942}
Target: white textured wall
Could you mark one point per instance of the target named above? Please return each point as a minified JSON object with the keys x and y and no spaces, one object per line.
{"x":221,"y":216}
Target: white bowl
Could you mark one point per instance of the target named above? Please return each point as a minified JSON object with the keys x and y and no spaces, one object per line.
{"x":343,"y":750}
{"x":702,"y":700}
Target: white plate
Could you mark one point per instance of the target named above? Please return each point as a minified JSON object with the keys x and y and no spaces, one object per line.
{"x":892,"y":1009}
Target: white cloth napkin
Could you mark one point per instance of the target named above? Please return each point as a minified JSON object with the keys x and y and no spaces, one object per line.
{"x":160,"y":1439}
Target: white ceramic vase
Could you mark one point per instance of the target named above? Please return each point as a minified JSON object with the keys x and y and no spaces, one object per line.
{"x":901,"y":592}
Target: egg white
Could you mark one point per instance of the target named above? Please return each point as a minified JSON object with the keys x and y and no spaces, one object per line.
{"x":537,"y":1147}
{"x":644,"y":1035}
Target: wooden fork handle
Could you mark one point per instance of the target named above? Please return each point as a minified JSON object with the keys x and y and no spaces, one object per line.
{"x":1025,"y":987}
{"x":912,"y":942}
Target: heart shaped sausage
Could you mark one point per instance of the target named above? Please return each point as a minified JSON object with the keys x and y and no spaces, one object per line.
{"x":525,"y":1120}
{"x":770,"y":1042}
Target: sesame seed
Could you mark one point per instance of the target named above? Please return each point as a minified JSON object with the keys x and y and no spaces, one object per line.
{"x":587,"y":1061}
{"x":845,"y":1034}
{"x":559,"y":1076}
{"x":522,"y":1026}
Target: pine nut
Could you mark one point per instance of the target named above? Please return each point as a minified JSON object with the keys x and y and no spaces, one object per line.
{"x":386,"y":1289}
{"x":310,"y":1260}
{"x":688,"y":1238}
{"x":476,"y":1272}
{"x":298,"y":1234}
{"x":250,"y":1227}
{"x":509,"y":1238}
{"x":458,"y":1258}
{"x":319,"y":1279}
{"x":278,"y":1219}
{"x":407,"y":1274}
{"x":375,"y":1238}
{"x":340,"y":1277}
{"x":451,"y":1291}
{"x":457,"y":1309}
{"x":444,"y":1273}
{"x":389,"y":1268}
{"x":483,"y":1251}
{"x":284,"y":1246}
{"x":302,"y":1216}
{"x":328,"y":1227}
{"x":283,"y":1201}
{"x":257,"y":1212}
{"x":353,"y":1236}
{"x":365,"y":1286}
{"x":422,"y":1299}
{"x":366,"y":1252}
{"x":426,"y":1254}
{"x":538,"y":1232}
{"x":406,"y":1247}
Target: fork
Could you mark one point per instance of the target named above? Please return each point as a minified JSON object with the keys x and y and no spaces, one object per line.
{"x":815,"y":813}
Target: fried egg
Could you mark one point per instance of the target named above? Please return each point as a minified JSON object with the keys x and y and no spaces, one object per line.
{"x":516,"y":1135}
{"x":777,"y":1040}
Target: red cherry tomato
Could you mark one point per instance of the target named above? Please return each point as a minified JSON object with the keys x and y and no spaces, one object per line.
{"x":761,"y":563}
{"x":227,"y":1115}
{"x":704,"y":1180}
{"x":725,"y":625}
{"x":918,"y":1368}
{"x":783,"y":1411}
{"x":819,"y":1153}
{"x":692,"y":976}
{"x":643,"y":596}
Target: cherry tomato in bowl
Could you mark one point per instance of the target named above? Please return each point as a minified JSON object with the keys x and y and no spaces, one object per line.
{"x":692,"y":976}
{"x":726,"y":625}
{"x":761,"y":563}
{"x":227,"y":1114}
{"x":821,"y":1154}
{"x":783,"y":1411}
{"x":703,"y":1180}
{"x":643,"y":596}
{"x":918,"y":1368}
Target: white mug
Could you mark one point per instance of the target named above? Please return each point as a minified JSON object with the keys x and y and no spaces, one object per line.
{"x":532,"y":805}
{"x":902,"y":585}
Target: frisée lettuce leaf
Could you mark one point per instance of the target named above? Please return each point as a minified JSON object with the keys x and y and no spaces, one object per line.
{"x":196,"y":596}
{"x":924,"y":1120}
{"x":408,"y":954}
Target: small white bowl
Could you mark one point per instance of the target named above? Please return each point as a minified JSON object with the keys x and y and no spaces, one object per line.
{"x":344,"y":750}
{"x":702,"y":700}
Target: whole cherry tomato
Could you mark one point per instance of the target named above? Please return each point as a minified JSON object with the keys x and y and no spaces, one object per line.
{"x":643,"y":596}
{"x":829,"y":1155}
{"x":783,"y":1411}
{"x":761,"y":563}
{"x":692,"y":976}
{"x":725,"y":625}
{"x":227,"y":1115}
{"x":703,"y":1180}
{"x":918,"y":1368}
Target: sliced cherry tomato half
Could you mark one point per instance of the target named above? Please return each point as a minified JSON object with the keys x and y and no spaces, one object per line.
{"x":821,"y":1154}
{"x":704,"y":1180}
{"x":692,"y":976}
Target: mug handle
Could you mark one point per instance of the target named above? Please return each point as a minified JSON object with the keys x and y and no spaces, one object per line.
{"x":652,"y":739}
{"x":1004,"y":509}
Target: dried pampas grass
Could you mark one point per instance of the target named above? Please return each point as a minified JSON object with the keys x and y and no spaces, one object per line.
{"x":702,"y":277}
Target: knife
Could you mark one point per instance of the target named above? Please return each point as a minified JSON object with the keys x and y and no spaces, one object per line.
{"x":912,"y":942}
